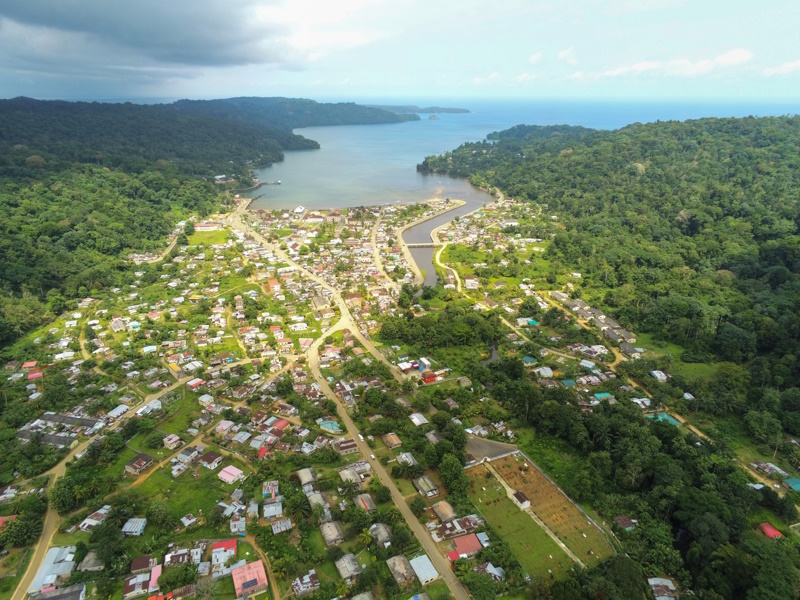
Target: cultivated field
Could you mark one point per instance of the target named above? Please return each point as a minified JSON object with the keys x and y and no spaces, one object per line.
{"x":556,"y":510}
{"x":536,"y":551}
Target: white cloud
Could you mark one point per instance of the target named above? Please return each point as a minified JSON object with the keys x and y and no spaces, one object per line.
{"x":578,"y":75}
{"x":490,"y":78}
{"x":535,"y":57}
{"x":523,"y":77}
{"x":568,"y":56}
{"x":684,"y":67}
{"x":784,"y":69}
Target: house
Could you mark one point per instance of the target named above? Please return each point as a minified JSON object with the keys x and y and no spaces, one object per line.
{"x":659,"y":376}
{"x":768,"y":530}
{"x":392,"y":441}
{"x":249,"y":579}
{"x":455,"y":527}
{"x":177,"y":557}
{"x":471,"y":283}
{"x":381,"y":534}
{"x":269,"y":489}
{"x":134,"y":527}
{"x":306,"y":584}
{"x":444,"y":511}
{"x":141,"y":462}
{"x":230,"y":474}
{"x":222,"y":551}
{"x":154,"y":575}
{"x":306,"y":476}
{"x":345,"y":446}
{"x":72,"y":592}
{"x":406,"y":458}
{"x":58,"y":563}
{"x":424,"y":569}
{"x":273,"y":510}
{"x":332,"y":533}
{"x":467,"y":545}
{"x":172,"y":441}
{"x":401,"y":570}
{"x":136,"y":585}
{"x":366,"y":502}
{"x":425,"y":486}
{"x":188,"y":455}
{"x":93,"y":519}
{"x":348,"y":568}
{"x":418,"y":419}
{"x":487,"y":568}
{"x":662,"y":588}
{"x":142,"y":564}
{"x":521,"y":500}
{"x":210,"y":460}
{"x":625,"y":522}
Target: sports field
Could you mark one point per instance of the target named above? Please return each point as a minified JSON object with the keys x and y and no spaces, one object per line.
{"x":538,"y":554}
{"x":557,"y":511}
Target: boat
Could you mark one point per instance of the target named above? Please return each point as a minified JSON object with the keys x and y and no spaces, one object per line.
{"x":433,"y":118}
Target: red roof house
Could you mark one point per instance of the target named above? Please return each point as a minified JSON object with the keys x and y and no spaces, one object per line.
{"x":467,"y":545}
{"x":769,"y":531}
{"x":249,"y":579}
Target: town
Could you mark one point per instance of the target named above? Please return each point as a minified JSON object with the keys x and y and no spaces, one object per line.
{"x":249,"y":418}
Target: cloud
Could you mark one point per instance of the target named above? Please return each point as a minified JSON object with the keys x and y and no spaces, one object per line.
{"x":492,"y":77}
{"x":568,"y":56}
{"x":523,"y":77}
{"x":577,"y":75}
{"x":535,"y":57}
{"x":684,"y":67}
{"x":152,"y":41}
{"x":783,"y":69}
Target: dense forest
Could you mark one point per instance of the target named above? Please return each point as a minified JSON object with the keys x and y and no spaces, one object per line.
{"x":289,"y":113}
{"x":685,"y":230}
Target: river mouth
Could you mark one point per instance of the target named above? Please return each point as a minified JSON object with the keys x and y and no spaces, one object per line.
{"x":422,"y":233}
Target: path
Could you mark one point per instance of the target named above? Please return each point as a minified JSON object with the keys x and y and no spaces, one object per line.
{"x":539,"y":522}
{"x":276,"y":593}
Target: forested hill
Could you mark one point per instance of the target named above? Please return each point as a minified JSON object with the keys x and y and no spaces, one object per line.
{"x":686,"y":230}
{"x":203,"y":137}
{"x":290,"y":113}
{"x":131,"y":136}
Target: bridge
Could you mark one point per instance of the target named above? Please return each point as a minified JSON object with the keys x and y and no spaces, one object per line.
{"x":425,"y":245}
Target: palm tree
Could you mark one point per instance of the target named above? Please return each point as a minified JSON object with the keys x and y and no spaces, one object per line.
{"x":279,"y":568}
{"x":393,"y":515}
{"x":365,"y":536}
{"x":343,"y":589}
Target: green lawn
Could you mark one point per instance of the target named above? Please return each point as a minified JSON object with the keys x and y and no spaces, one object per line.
{"x":535,"y":550}
{"x":208,"y":238}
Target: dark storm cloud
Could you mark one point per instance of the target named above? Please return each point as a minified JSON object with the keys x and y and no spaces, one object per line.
{"x":173,"y":32}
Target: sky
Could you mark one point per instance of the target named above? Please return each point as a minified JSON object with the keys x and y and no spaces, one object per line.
{"x":415,"y":49}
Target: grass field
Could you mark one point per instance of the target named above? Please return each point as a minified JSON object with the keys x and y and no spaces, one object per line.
{"x":208,"y":238}
{"x":555,"y":510}
{"x":536,"y":551}
{"x":9,"y":583}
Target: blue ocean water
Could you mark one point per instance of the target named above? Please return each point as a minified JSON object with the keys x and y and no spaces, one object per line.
{"x":376,"y":164}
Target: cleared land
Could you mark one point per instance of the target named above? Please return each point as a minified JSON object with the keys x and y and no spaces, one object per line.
{"x":536,"y":552}
{"x":556,"y":510}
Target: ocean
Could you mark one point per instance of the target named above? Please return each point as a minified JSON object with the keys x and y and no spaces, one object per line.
{"x":362,"y":165}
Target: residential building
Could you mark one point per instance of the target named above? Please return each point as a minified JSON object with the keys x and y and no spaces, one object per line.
{"x":58,"y":563}
{"x":134,"y":527}
{"x":425,"y":486}
{"x":139,"y":463}
{"x":348,"y":568}
{"x":307,"y":584}
{"x":332,"y":533}
{"x":250,"y":579}
{"x":424,"y":569}
{"x":521,"y":500}
{"x":401,"y":570}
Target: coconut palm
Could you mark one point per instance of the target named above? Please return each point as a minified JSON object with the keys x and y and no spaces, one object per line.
{"x":342,"y":589}
{"x":365,"y":536}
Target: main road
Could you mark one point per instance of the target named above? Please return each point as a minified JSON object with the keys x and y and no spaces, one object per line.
{"x":439,"y":561}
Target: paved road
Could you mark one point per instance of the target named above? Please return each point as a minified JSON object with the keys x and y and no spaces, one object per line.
{"x":482,"y":448}
{"x":439,"y":561}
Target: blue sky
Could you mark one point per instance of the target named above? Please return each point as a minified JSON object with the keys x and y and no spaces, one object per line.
{"x":416,"y":49}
